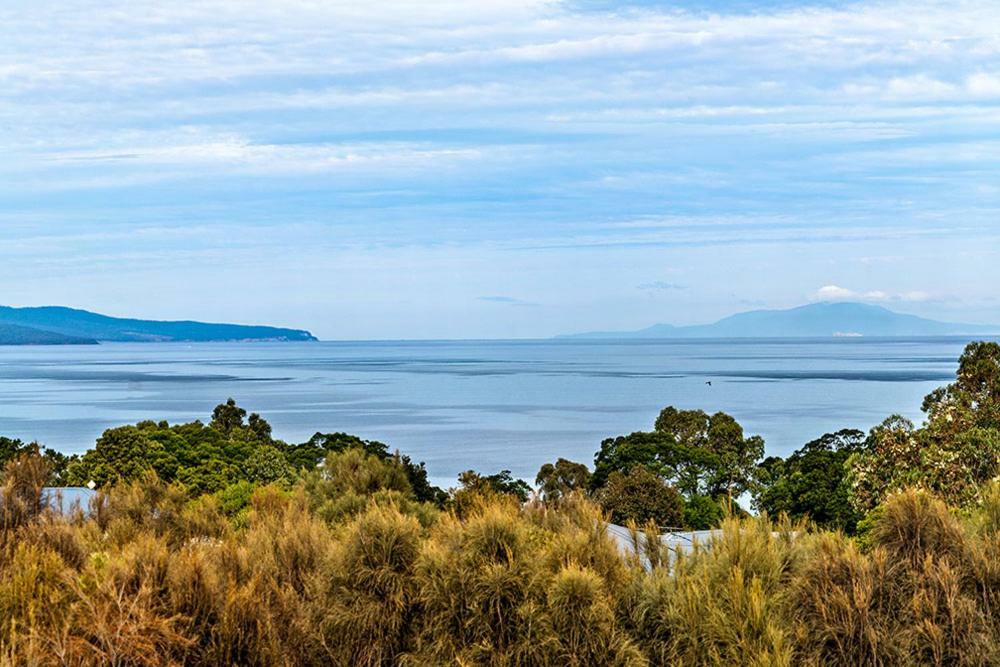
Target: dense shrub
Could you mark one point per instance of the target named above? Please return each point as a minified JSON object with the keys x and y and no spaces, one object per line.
{"x":153,"y":578}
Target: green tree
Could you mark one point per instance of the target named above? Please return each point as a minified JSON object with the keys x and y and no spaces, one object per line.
{"x":973,"y":400}
{"x":315,"y":449}
{"x":309,"y":454}
{"x":696,"y":452}
{"x":898,"y":456}
{"x":641,"y":496}
{"x":556,"y":480}
{"x":57,"y":462}
{"x":811,"y":482}
{"x":267,"y":465}
{"x":953,"y":455}
{"x":259,"y":428}
{"x":122,"y":454}
{"x":702,"y":512}
{"x":736,"y":456}
{"x":501,"y":483}
{"x":228,"y":417}
{"x":621,"y":454}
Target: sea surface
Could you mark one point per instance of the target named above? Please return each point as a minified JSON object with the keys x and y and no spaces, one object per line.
{"x":484,"y":405}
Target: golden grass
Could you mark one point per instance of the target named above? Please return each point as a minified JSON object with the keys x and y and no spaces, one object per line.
{"x":153,"y":578}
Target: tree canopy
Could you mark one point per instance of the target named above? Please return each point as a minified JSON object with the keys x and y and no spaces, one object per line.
{"x":559,"y":479}
{"x":641,"y":496}
{"x":234,"y":447}
{"x":810,"y":483}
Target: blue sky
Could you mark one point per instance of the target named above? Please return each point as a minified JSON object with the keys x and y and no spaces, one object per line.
{"x":498,"y":168}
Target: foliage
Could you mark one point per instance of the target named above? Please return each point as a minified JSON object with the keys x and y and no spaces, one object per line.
{"x":641,"y":496}
{"x":559,"y":479}
{"x":954,"y":454}
{"x":502,"y":483}
{"x":696,"y":452}
{"x":267,"y":465}
{"x":702,"y":513}
{"x":351,"y":480}
{"x":152,"y":577}
{"x":309,"y":454}
{"x":973,"y":400}
{"x":232,"y":448}
{"x":898,"y":455}
{"x":204,"y":458}
{"x":810,"y":483}
{"x":11,"y":448}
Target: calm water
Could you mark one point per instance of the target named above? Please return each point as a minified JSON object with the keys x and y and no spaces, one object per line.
{"x":474,"y":404}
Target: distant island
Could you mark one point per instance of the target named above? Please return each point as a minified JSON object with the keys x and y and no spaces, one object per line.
{"x":840,"y":319}
{"x":12,"y":334}
{"x":53,"y":325}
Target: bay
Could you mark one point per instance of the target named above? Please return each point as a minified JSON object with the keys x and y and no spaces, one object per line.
{"x":484,"y":405}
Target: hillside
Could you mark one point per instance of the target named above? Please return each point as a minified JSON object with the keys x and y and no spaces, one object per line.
{"x":83,"y":324}
{"x":12,"y":334}
{"x":814,"y":320}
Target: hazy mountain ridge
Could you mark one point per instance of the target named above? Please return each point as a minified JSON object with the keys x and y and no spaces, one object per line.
{"x":813,"y":320}
{"x":12,"y":334}
{"x":85,"y":326}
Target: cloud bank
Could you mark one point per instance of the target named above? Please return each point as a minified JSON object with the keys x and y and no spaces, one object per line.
{"x":370,"y":170}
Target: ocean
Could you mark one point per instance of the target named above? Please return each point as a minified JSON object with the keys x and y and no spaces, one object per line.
{"x":483,"y":405}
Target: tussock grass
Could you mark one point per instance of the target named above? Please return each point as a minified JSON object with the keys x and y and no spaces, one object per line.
{"x":352,"y":571}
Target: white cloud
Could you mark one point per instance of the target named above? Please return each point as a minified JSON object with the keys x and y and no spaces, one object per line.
{"x":982,"y":84}
{"x":838,"y":293}
{"x":834,"y":293}
{"x":919,"y":86}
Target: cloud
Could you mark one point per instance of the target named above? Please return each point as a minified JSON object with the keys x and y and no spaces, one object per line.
{"x":837,"y":293}
{"x":983,"y":84}
{"x":740,"y":143}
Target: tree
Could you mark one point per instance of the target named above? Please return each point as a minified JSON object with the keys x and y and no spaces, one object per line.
{"x":122,"y":454}
{"x":310,"y":453}
{"x":897,"y":456}
{"x":502,"y":483}
{"x":621,"y":454}
{"x":953,"y":455}
{"x":204,"y":458}
{"x":642,"y":496}
{"x":57,"y":462}
{"x":697,"y":453}
{"x":737,"y":456}
{"x":561,"y":478}
{"x":259,"y":428}
{"x":973,"y":400}
{"x":811,"y":482}
{"x":267,"y":465}
{"x":228,"y":417}
{"x":702,"y":512}
{"x":316,"y":448}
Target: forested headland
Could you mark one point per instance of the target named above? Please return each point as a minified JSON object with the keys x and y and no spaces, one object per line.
{"x":216,"y":543}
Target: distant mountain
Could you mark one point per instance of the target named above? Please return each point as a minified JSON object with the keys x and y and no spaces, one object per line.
{"x":814,"y":320}
{"x":11,"y":334}
{"x":80,"y":324}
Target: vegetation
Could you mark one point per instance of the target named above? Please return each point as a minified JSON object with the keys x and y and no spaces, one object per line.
{"x":218,"y":545}
{"x":641,"y":496}
{"x":812,"y":481}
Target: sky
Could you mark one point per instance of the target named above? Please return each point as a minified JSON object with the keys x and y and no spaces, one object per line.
{"x":498,"y":168}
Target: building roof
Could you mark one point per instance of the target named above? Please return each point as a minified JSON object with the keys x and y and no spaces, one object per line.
{"x":677,"y":542}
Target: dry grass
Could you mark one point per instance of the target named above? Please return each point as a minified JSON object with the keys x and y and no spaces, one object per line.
{"x":304,"y":578}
